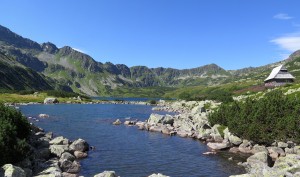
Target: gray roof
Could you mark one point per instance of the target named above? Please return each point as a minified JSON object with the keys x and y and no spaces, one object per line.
{"x":280,"y":72}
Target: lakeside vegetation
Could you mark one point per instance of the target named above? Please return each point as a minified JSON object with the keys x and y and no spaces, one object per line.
{"x":14,"y":133}
{"x":273,"y":117}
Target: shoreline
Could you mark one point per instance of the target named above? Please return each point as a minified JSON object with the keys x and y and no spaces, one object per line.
{"x":281,"y":158}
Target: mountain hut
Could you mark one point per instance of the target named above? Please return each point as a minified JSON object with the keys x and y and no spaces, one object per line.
{"x":278,"y":77}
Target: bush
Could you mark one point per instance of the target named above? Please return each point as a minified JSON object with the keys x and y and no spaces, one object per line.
{"x":153,"y":102}
{"x":274,"y":117}
{"x":14,"y":130}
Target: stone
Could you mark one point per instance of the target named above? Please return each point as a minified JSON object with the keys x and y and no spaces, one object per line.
{"x":106,"y":174}
{"x":49,"y":135}
{"x":129,"y":122}
{"x":276,"y":152}
{"x":13,"y":171}
{"x":80,"y":155}
{"x":218,"y":146}
{"x":182,"y":133}
{"x":155,"y":128}
{"x":158,"y":175}
{"x":168,"y":119}
{"x":70,"y":167}
{"x":43,"y":115}
{"x":117,"y":122}
{"x":65,"y":174}
{"x":257,"y":148}
{"x":79,"y":145}
{"x":67,"y":156}
{"x":59,"y":141}
{"x":245,"y":147}
{"x":51,"y":101}
{"x":155,"y":118}
{"x":58,"y":150}
{"x":235,"y":140}
{"x":282,"y":145}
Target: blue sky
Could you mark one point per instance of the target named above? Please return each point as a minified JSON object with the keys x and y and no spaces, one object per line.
{"x":170,"y":33}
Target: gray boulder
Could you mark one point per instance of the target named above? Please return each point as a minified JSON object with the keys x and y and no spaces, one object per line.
{"x":276,"y":152}
{"x":60,"y":140}
{"x":67,"y":156}
{"x":218,"y":146}
{"x":79,"y":145}
{"x":257,"y":148}
{"x":106,"y":174}
{"x":58,"y":150}
{"x":51,"y":101}
{"x":282,"y":145}
{"x":245,"y":147}
{"x":70,"y":167}
{"x":80,"y":155}
{"x":10,"y":170}
{"x":155,"y":118}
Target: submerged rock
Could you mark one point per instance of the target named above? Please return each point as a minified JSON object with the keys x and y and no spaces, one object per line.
{"x":117,"y":122}
{"x":158,"y":175}
{"x":106,"y":174}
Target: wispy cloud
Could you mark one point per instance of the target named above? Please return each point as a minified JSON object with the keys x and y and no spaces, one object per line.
{"x":79,"y":50}
{"x":282,"y":16}
{"x":289,"y":42}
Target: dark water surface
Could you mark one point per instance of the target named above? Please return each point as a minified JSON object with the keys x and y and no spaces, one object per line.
{"x":126,"y":150}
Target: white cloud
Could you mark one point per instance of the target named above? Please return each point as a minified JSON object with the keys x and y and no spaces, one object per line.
{"x":79,"y":50}
{"x":290,"y":43}
{"x":282,"y":16}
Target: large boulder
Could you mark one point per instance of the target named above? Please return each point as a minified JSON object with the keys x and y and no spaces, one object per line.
{"x":67,"y":156}
{"x":235,"y":140}
{"x":155,"y":118}
{"x":80,"y":155}
{"x":58,"y":150}
{"x":106,"y":174}
{"x":60,"y":140}
{"x":10,"y":170}
{"x":79,"y":145}
{"x":218,"y":146}
{"x":51,"y":101}
{"x":259,"y":148}
{"x":276,"y":152}
{"x":245,"y":147}
{"x":69,"y":166}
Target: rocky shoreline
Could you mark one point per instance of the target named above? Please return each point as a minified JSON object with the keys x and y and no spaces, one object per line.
{"x":279,"y":159}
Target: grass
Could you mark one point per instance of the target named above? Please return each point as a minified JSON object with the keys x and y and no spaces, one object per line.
{"x":39,"y":98}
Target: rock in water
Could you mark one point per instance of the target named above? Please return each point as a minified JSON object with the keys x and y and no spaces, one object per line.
{"x":51,"y":101}
{"x":218,"y":146}
{"x":158,"y":175}
{"x":79,"y":145}
{"x":12,"y":171}
{"x":117,"y":122}
{"x":106,"y":174}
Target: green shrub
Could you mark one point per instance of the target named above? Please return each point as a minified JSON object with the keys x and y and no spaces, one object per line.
{"x":153,"y":102}
{"x":14,"y":130}
{"x":274,"y":117}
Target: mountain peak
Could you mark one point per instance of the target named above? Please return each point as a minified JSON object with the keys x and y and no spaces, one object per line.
{"x":16,"y":40}
{"x":49,"y":47}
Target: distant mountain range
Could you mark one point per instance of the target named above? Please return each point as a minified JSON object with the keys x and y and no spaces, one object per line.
{"x":26,"y":64}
